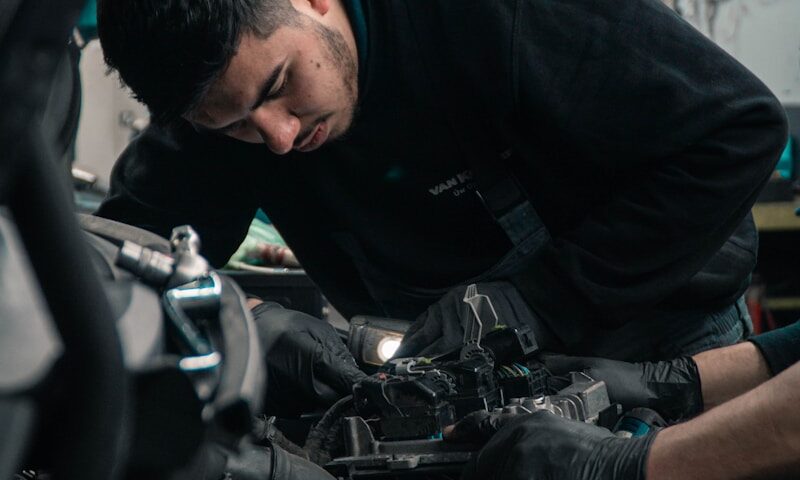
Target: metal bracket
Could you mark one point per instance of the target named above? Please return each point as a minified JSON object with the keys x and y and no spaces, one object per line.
{"x":473,"y":329}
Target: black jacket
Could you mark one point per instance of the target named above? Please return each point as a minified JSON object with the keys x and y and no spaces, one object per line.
{"x":641,"y":144}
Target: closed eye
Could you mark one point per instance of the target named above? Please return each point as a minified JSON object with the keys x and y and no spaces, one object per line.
{"x":231,"y":128}
{"x":268,"y":91}
{"x":277,"y":93}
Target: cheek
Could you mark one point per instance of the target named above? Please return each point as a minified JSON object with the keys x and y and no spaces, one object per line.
{"x":318,"y":86}
{"x":310,"y":95}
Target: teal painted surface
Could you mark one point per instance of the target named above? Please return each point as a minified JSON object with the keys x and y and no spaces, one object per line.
{"x":87,"y":22}
{"x":786,"y":162}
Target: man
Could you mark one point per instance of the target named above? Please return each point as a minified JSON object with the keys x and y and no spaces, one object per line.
{"x":590,"y":164}
{"x":751,"y":428}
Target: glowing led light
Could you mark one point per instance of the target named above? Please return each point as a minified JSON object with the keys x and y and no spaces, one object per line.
{"x":387,"y":347}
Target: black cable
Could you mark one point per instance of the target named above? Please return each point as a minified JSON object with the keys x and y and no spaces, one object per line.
{"x":323,"y":437}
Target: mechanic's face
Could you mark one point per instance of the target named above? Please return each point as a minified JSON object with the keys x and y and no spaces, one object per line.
{"x":296,"y":89}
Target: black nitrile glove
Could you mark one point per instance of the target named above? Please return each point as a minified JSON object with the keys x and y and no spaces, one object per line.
{"x":248,"y":462}
{"x":672,"y":388}
{"x":545,"y":446}
{"x":309,"y":368}
{"x":271,"y":463}
{"x":440,"y":329}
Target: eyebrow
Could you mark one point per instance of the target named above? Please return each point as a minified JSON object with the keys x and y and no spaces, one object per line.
{"x":263,"y":96}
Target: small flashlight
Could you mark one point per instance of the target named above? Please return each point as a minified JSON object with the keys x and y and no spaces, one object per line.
{"x":387,"y":346}
{"x":374,"y":340}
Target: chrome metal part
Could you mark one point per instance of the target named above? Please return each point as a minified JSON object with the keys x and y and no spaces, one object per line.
{"x":151,"y":266}
{"x":202,"y":294}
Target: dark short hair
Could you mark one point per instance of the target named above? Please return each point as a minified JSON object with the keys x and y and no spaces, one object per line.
{"x":170,"y":51}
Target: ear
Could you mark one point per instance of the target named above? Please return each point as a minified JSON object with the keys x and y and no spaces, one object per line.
{"x":319,"y":6}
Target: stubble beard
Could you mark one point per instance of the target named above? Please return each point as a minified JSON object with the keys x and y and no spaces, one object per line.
{"x":345,"y":63}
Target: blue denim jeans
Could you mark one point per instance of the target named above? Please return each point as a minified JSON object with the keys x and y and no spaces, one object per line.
{"x":718,"y":329}
{"x":668,"y":335}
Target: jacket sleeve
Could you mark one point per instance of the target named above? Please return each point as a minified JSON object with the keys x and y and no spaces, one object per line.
{"x":780,"y":348}
{"x":176,"y":176}
{"x":689,"y":134}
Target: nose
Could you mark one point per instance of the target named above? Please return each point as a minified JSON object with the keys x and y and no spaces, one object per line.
{"x":277,"y":127}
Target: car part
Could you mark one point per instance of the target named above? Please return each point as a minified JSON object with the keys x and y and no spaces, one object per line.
{"x":401,"y":411}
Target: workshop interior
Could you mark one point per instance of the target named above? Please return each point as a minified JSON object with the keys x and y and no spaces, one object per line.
{"x":124,"y":354}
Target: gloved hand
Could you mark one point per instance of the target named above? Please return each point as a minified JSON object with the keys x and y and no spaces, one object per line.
{"x":672,"y":388}
{"x":440,"y":328}
{"x":545,"y":446}
{"x":308,"y":366}
{"x":250,"y":462}
{"x":271,"y":463}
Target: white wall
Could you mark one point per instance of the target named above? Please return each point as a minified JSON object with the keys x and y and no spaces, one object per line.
{"x":101,"y":136}
{"x":762,"y":34}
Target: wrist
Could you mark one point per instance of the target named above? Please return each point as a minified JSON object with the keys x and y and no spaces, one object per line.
{"x":623,"y":458}
{"x":659,"y":463}
{"x":676,"y":387}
